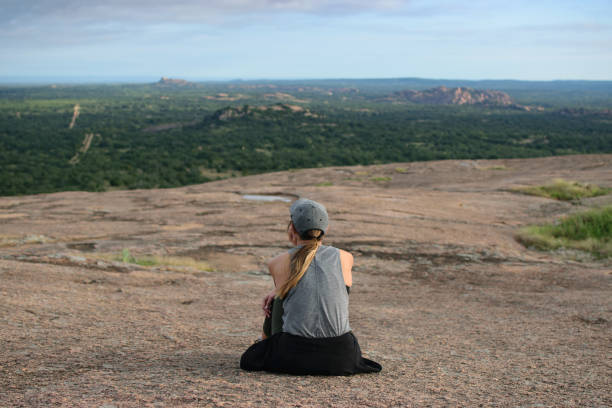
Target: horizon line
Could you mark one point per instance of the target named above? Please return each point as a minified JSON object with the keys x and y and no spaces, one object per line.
{"x":129,"y":79}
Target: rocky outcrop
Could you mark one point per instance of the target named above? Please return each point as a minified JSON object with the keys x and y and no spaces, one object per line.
{"x":455,"y":96}
{"x":230,"y":113}
{"x":173,"y":82}
{"x":456,"y":310}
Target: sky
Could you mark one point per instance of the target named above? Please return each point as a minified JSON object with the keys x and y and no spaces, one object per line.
{"x":302,"y":39}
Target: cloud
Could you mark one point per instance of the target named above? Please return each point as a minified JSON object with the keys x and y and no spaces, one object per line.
{"x":164,"y":11}
{"x":40,"y":23}
{"x":302,"y":37}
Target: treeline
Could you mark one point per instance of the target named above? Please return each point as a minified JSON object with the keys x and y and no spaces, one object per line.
{"x":146,"y":137}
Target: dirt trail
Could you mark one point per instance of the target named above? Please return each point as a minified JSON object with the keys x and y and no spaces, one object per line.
{"x":84,"y":148}
{"x":456,"y":311}
{"x":75,"y":115}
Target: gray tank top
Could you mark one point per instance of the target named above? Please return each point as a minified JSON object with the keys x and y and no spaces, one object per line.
{"x":318,"y":305}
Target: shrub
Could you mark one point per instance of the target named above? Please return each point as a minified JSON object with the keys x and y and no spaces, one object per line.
{"x":589,"y":231}
{"x":565,"y":190}
{"x":155,"y":260}
{"x":380,"y":179}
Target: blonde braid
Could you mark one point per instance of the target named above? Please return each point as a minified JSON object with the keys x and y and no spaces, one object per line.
{"x":300,"y":261}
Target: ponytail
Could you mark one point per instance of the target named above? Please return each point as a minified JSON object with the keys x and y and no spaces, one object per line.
{"x":300,"y":261}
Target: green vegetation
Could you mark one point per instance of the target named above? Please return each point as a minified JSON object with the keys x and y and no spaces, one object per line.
{"x":154,"y":136}
{"x":380,"y":178}
{"x":155,"y":260}
{"x":565,"y":190}
{"x":13,"y":240}
{"x":324,"y":184}
{"x":495,"y":168}
{"x":589,"y":231}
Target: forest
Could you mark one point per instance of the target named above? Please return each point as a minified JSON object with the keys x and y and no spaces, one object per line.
{"x":99,"y":137}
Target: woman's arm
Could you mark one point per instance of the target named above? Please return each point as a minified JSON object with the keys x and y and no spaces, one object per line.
{"x":279,"y":269}
{"x":346,"y":261}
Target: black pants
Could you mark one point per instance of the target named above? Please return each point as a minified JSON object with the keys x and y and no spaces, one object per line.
{"x":287,"y":353}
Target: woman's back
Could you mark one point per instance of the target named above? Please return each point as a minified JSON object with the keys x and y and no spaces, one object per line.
{"x":318,"y":305}
{"x":312,"y":280}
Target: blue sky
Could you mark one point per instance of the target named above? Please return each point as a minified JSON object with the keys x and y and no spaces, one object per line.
{"x":250,"y":39}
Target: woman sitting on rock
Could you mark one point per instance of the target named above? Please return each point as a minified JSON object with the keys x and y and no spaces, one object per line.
{"x":307,"y":330}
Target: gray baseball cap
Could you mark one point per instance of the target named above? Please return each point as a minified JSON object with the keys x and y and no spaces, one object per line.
{"x":307,"y":214}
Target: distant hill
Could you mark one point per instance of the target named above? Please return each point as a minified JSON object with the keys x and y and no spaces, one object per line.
{"x":174,"y":82}
{"x":229,"y":113}
{"x":455,"y":96}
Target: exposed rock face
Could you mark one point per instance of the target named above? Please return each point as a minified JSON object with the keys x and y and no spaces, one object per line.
{"x":229,"y":113}
{"x":456,"y":96}
{"x":456,"y":311}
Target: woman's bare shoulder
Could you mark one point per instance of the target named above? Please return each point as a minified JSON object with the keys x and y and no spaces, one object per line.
{"x":279,"y":263}
{"x":279,"y":259}
{"x":346,"y":256}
